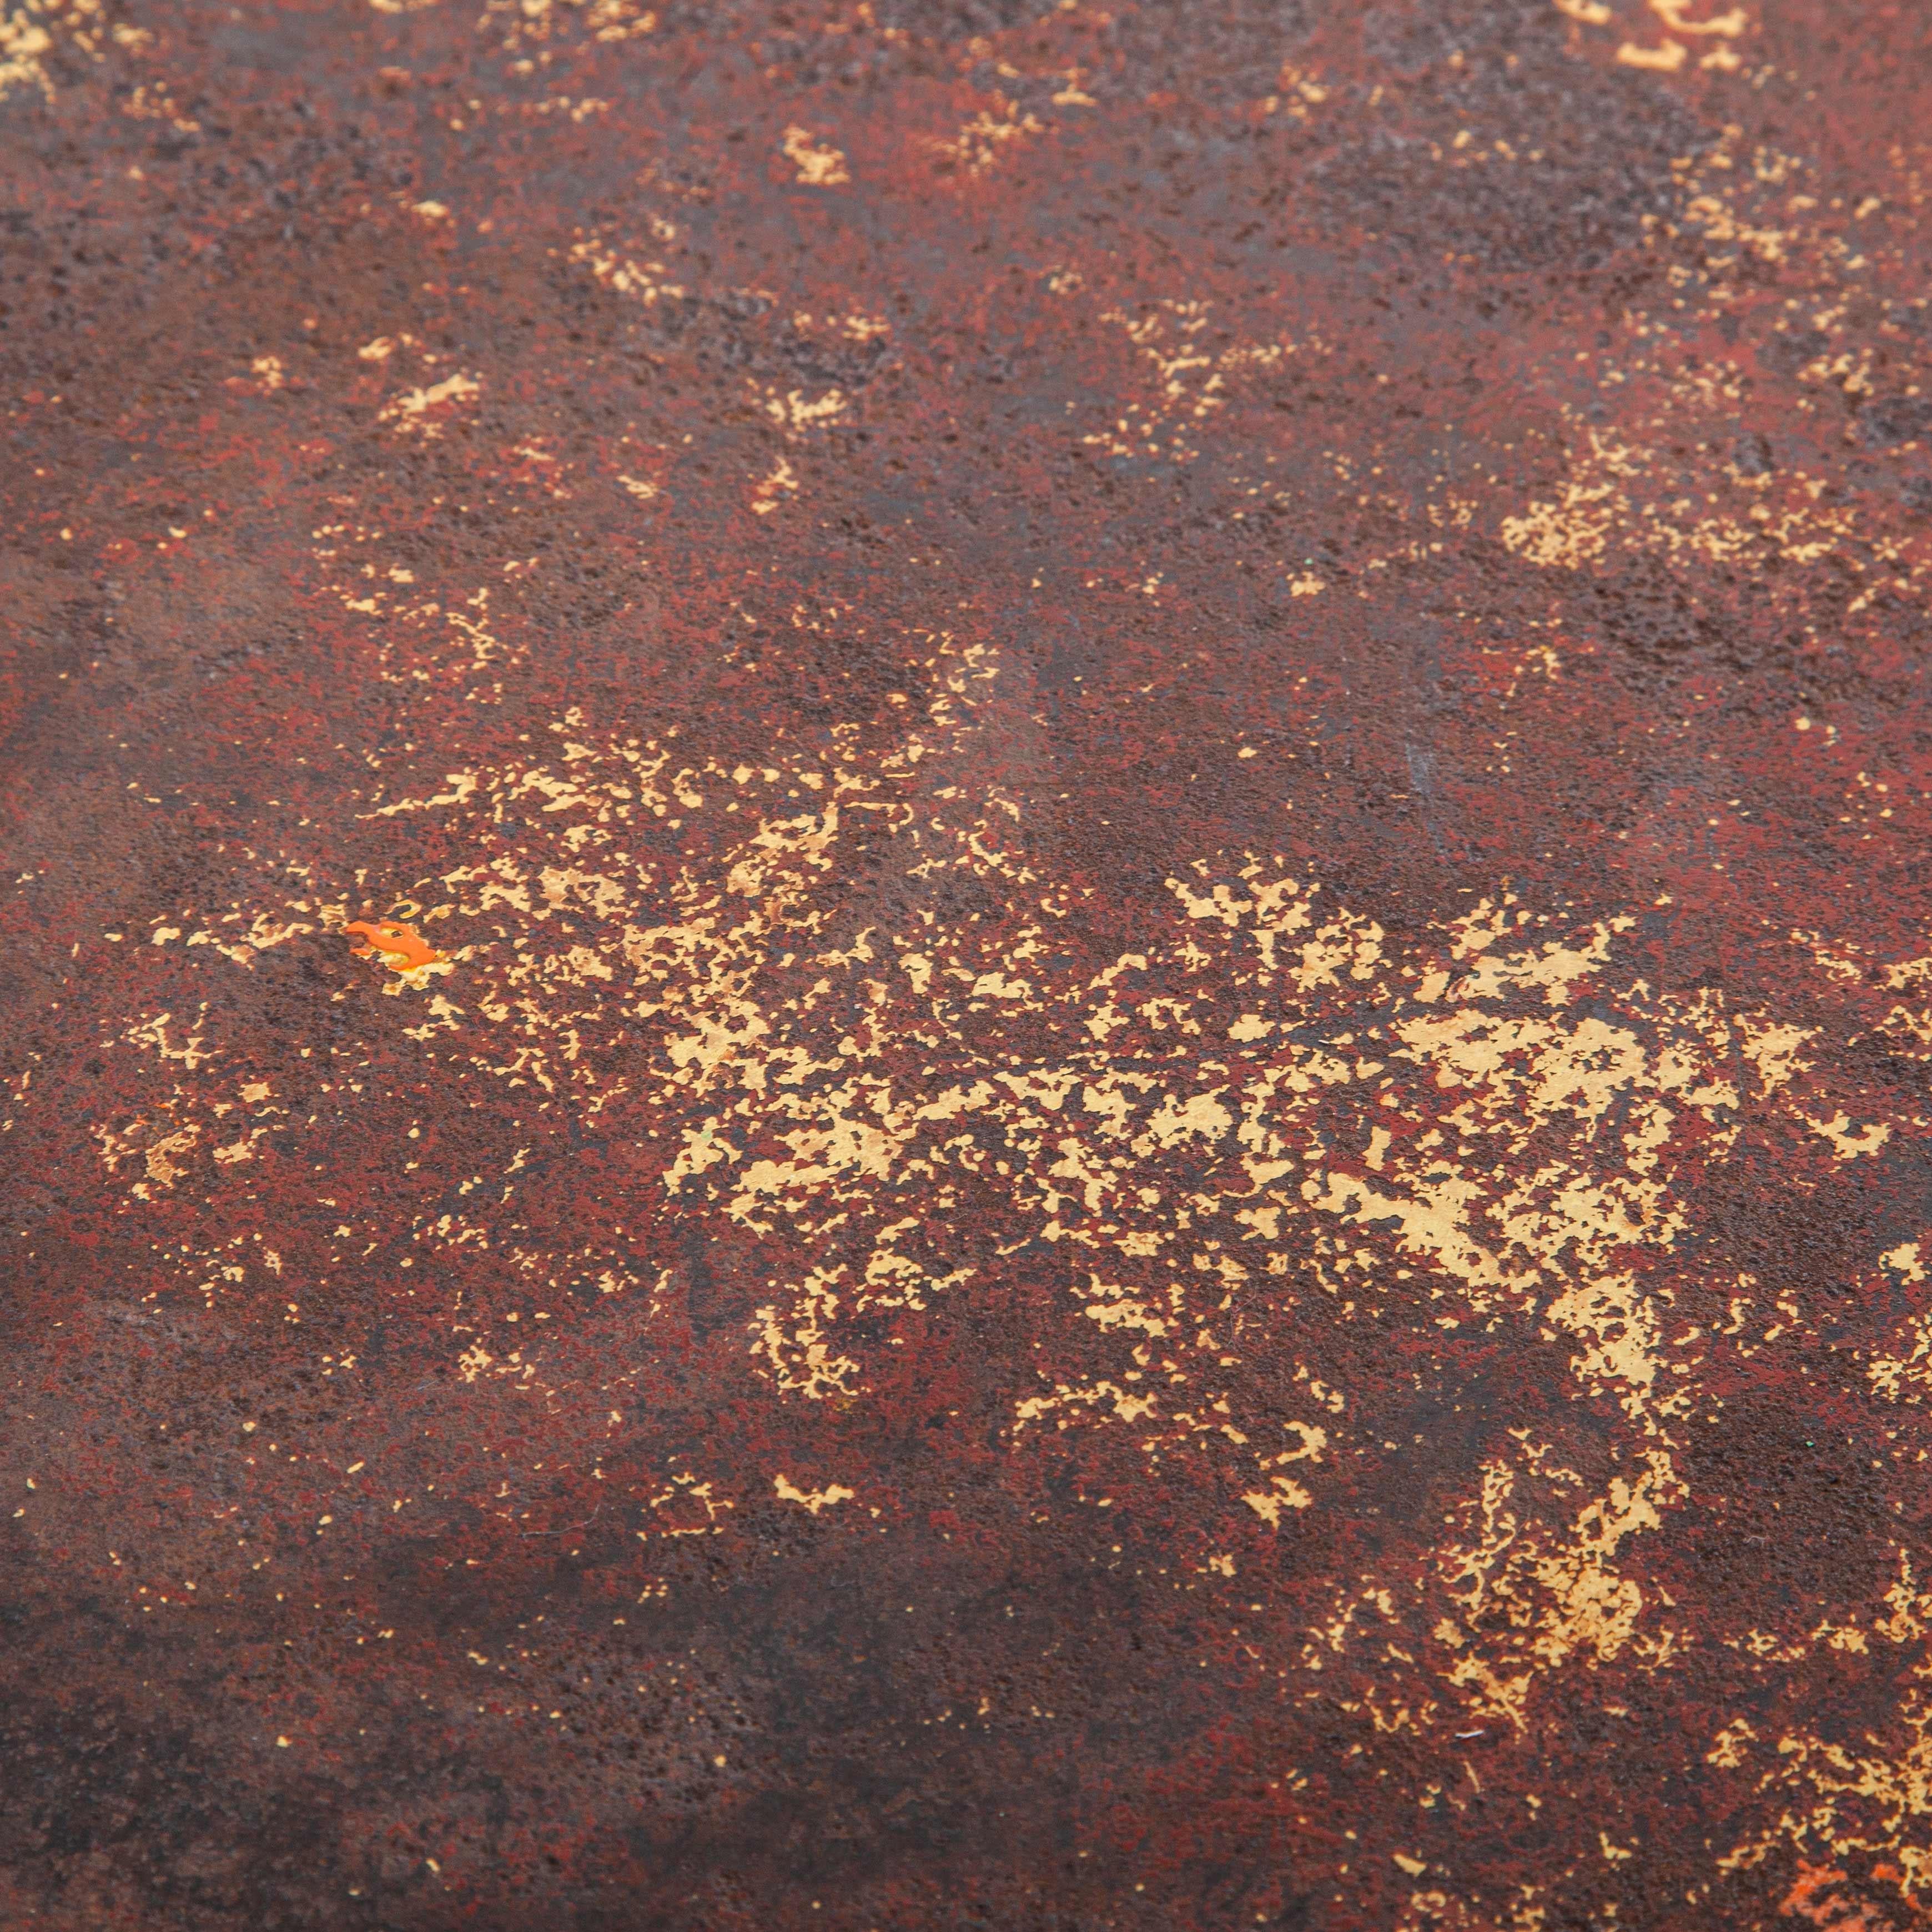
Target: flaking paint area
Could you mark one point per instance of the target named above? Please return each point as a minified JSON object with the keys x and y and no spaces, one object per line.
{"x":1131,"y":1129}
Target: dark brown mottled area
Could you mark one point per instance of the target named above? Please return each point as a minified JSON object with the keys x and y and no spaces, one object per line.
{"x":1162,"y":1159}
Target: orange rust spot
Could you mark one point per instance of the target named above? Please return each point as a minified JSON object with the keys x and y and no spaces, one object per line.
{"x":1832,"y":1912}
{"x":400,"y":947}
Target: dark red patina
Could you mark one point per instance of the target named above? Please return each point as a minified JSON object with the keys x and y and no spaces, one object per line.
{"x":967,"y":965}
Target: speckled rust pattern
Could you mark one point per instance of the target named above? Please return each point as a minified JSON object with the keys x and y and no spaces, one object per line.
{"x":966,"y":965}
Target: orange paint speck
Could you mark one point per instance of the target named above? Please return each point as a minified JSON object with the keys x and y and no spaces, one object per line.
{"x":400,"y":947}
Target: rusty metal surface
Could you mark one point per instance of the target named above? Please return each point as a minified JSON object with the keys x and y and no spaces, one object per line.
{"x":967,"y":967}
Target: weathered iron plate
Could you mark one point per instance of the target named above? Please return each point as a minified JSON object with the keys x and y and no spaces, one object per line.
{"x":967,"y":965}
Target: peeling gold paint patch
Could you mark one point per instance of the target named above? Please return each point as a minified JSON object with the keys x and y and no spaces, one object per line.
{"x":1258,"y":1112}
{"x":28,"y":30}
{"x":814,"y":1500}
{"x":1848,"y":1143}
{"x":819,"y":164}
{"x":421,"y":411}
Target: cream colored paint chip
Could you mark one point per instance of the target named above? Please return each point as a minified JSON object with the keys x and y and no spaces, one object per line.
{"x":814,"y":1500}
{"x":818,"y":164}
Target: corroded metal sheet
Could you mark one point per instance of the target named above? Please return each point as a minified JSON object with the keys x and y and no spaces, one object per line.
{"x":967,"y":966}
